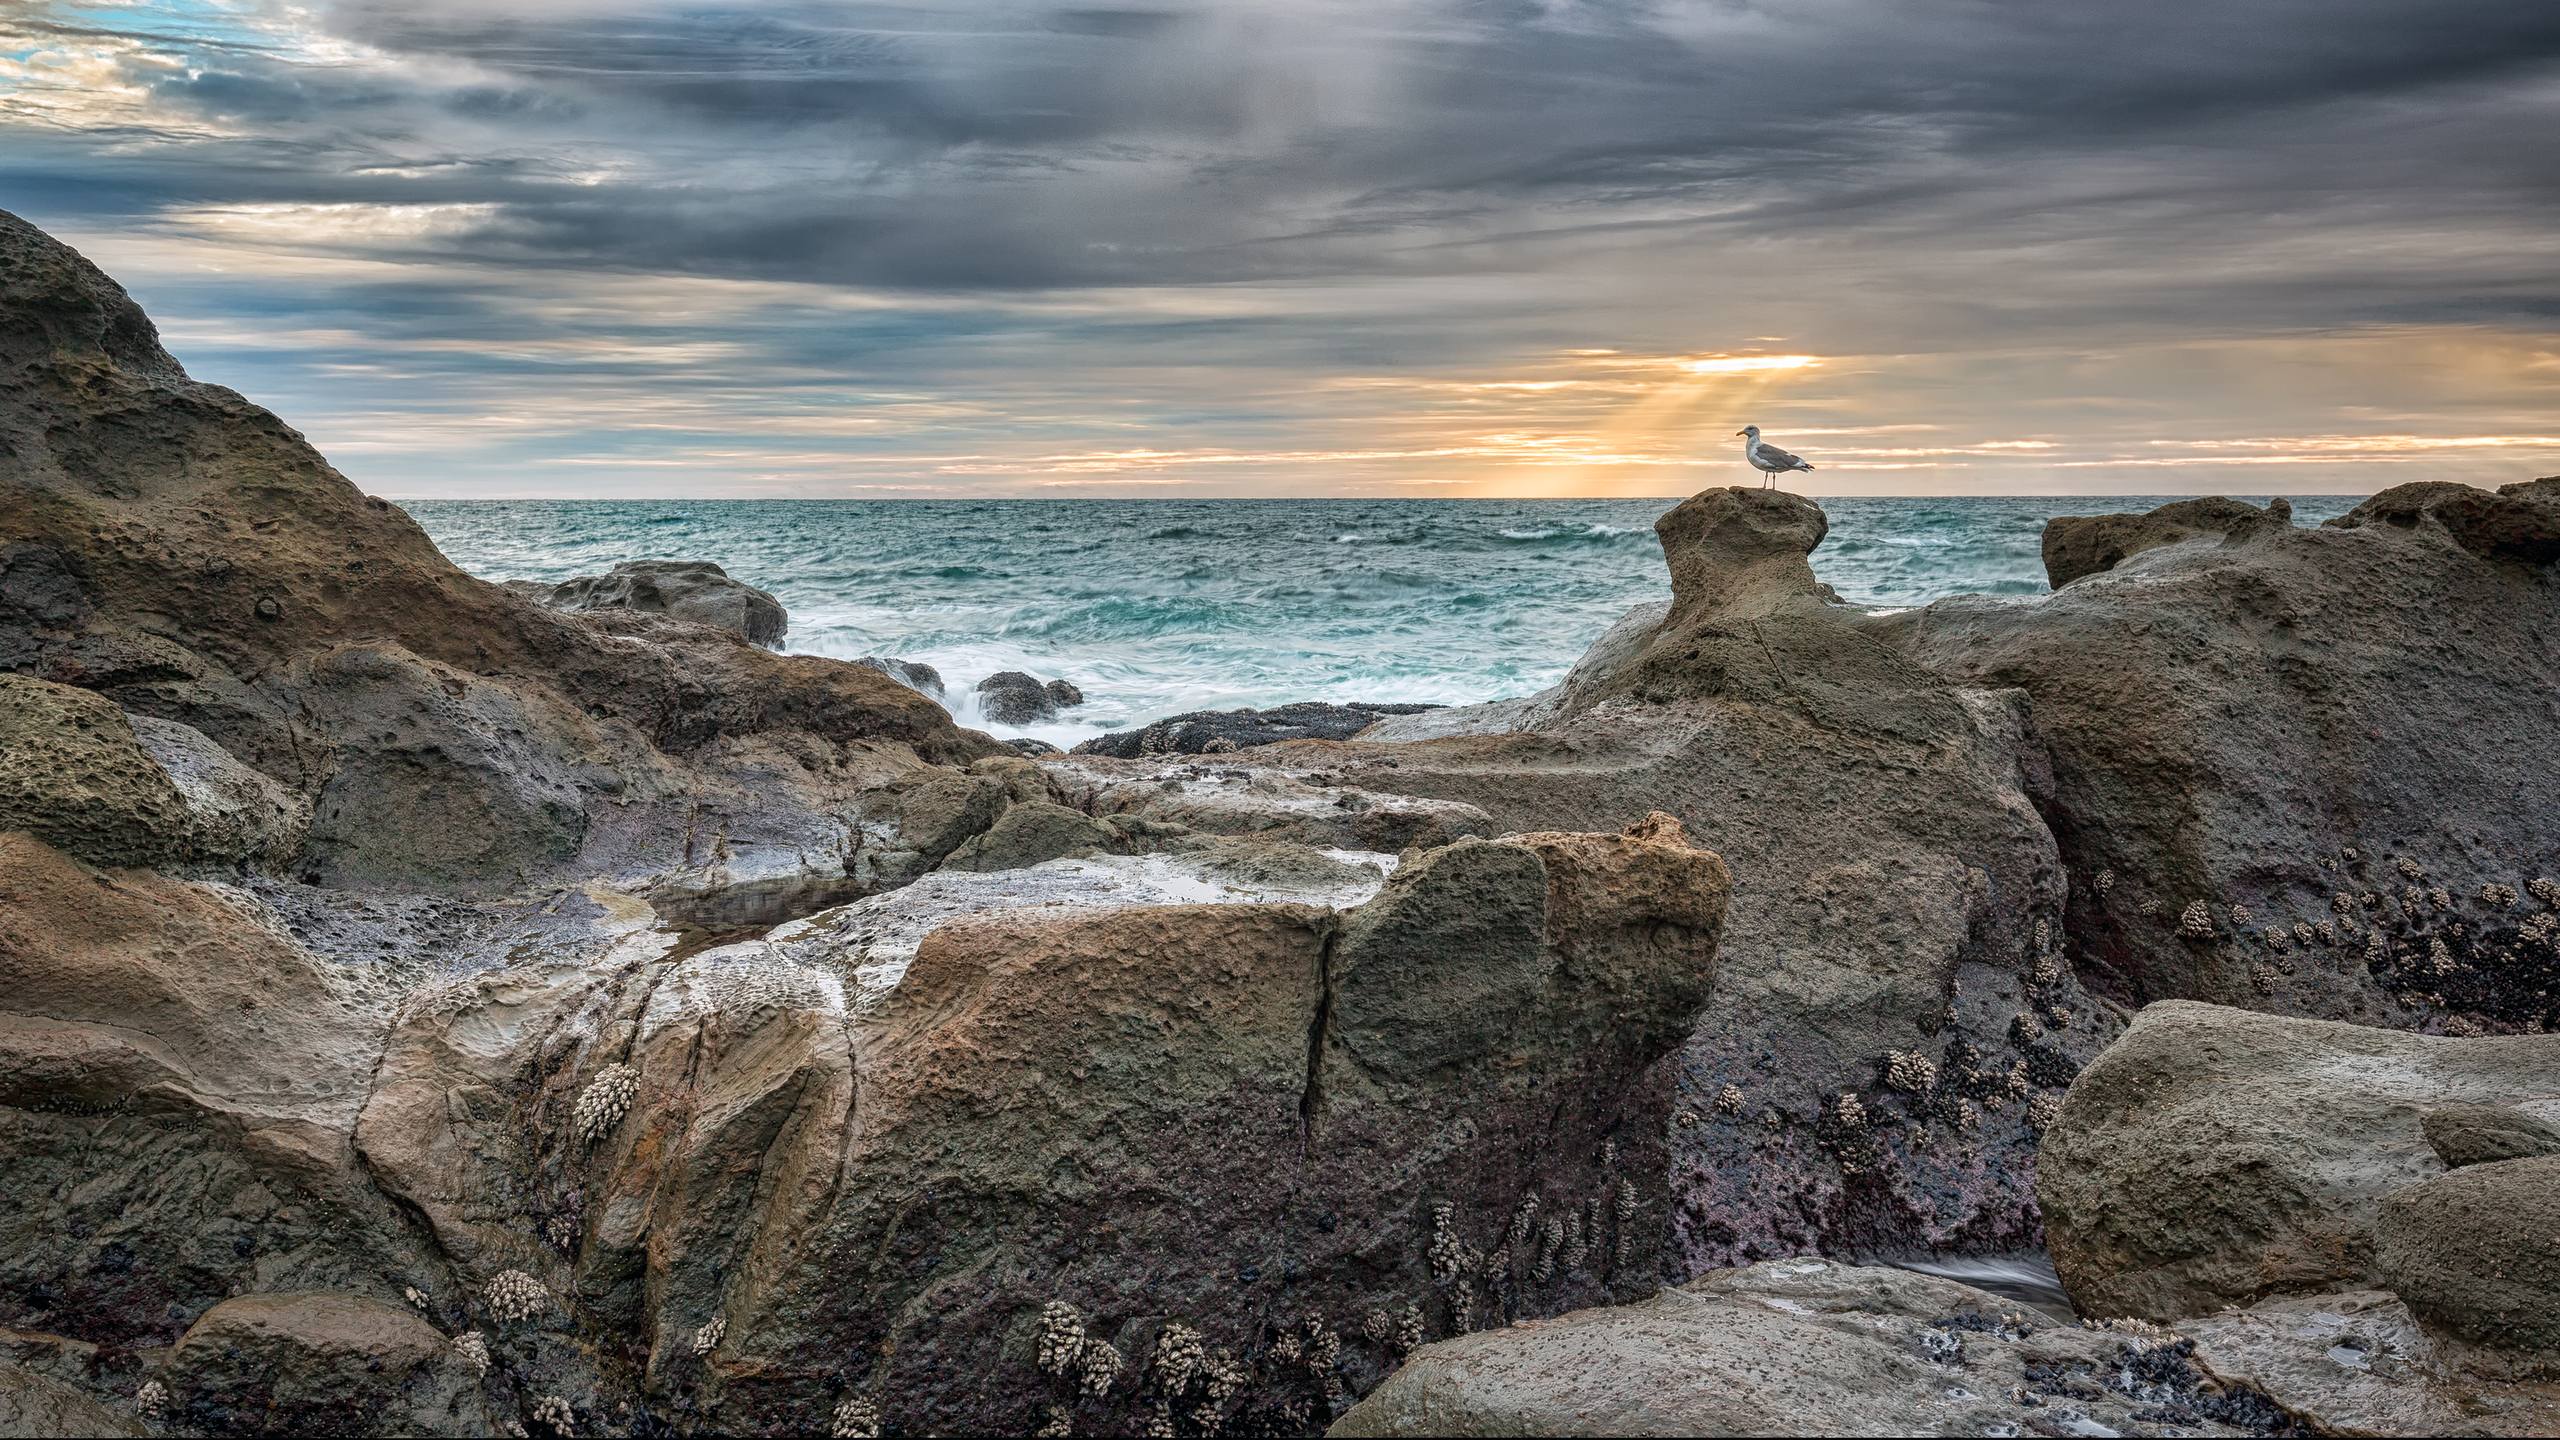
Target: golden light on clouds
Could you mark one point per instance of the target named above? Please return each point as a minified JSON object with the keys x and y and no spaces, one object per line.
{"x":1748,"y":364}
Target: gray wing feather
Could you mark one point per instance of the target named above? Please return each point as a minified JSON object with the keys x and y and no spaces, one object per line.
{"x":1779,"y":459}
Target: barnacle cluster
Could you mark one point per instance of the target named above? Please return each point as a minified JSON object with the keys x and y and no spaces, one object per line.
{"x":707,"y":1339}
{"x":1910,"y":1071}
{"x":2044,"y":1109}
{"x":472,"y":1349}
{"x":855,"y":1419}
{"x":151,"y":1402}
{"x":1729,"y":1100}
{"x":1061,"y":1338}
{"x":605,"y":1101}
{"x":2196,"y":921}
{"x":555,"y":1413}
{"x":513,"y":1295}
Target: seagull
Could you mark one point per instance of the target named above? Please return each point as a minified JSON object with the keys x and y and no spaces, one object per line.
{"x":1767,"y":459}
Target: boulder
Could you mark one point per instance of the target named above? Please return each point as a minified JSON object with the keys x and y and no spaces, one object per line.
{"x":1009,"y":697}
{"x":318,"y":1363}
{"x":2485,"y":1134}
{"x":1805,"y":1347}
{"x":1028,"y":833}
{"x":2295,"y":770}
{"x":1219,"y":732}
{"x":2476,"y":1253}
{"x":695,"y":590}
{"x":2215,"y":1156}
{"x":2077,"y":545}
{"x":1733,"y":546}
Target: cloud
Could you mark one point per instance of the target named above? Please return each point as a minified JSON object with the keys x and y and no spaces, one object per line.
{"x":1331,"y":234}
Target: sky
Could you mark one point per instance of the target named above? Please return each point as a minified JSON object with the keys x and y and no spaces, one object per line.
{"x":1435,"y":248}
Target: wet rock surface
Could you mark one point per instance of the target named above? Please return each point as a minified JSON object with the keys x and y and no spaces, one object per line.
{"x":1221,"y":732}
{"x":1010,"y":697}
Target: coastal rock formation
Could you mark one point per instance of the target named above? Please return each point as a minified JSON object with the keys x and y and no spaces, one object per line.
{"x":1895,"y":1017}
{"x":2358,"y":1363}
{"x":184,"y":555}
{"x":1219,"y":732}
{"x":695,"y":590}
{"x":2077,"y":545}
{"x":2214,"y":1156}
{"x":1806,"y":1347}
{"x":1009,"y":697}
{"x":2300,"y":770}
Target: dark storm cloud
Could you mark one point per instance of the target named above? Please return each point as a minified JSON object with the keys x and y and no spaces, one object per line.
{"x":1018,"y":145}
{"x":1292,"y":188}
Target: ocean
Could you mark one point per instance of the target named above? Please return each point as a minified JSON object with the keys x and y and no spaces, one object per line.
{"x":1155,"y":607}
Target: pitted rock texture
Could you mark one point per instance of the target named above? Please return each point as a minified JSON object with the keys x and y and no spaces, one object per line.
{"x":695,"y":590}
{"x":2077,"y":545}
{"x":2215,"y":1157}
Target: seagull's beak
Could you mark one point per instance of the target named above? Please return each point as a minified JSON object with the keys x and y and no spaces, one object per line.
{"x":1741,"y":432}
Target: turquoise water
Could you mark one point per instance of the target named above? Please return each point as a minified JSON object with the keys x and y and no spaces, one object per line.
{"x":1160,"y":606}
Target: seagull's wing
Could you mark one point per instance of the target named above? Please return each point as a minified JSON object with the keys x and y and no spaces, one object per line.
{"x":1779,"y":459}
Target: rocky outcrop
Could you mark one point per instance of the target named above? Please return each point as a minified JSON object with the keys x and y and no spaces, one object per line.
{"x":2077,"y":545}
{"x":184,"y":555}
{"x":1806,"y":1347}
{"x":2215,"y":1157}
{"x":2486,"y":1134}
{"x":1220,"y":732}
{"x":119,"y":789}
{"x":2297,"y":771}
{"x":2358,"y":1363}
{"x":695,"y":590}
{"x":2519,"y":523}
{"x":1895,"y":1017}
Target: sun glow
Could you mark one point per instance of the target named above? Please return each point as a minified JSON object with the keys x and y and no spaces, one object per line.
{"x":1748,"y":364}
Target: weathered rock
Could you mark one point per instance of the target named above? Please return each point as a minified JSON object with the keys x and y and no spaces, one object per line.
{"x":914,"y":674}
{"x":2518,"y":524}
{"x":2077,"y":545}
{"x":1063,"y":694}
{"x":2476,"y":1253}
{"x":1009,"y":697}
{"x":1804,"y":1347}
{"x":1895,"y":931}
{"x":78,"y":773}
{"x":695,"y":590}
{"x":1028,"y":833}
{"x":2213,"y":1156}
{"x":179,"y":1083}
{"x":39,"y":1407}
{"x":1075,"y":1092}
{"x":2358,"y":1364}
{"x":2485,"y":1134}
{"x":2322,"y":743}
{"x":1220,"y":732}
{"x":318,"y":1363}
{"x":186,"y":555}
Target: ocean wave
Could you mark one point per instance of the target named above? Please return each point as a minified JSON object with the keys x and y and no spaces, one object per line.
{"x":1599,"y":534}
